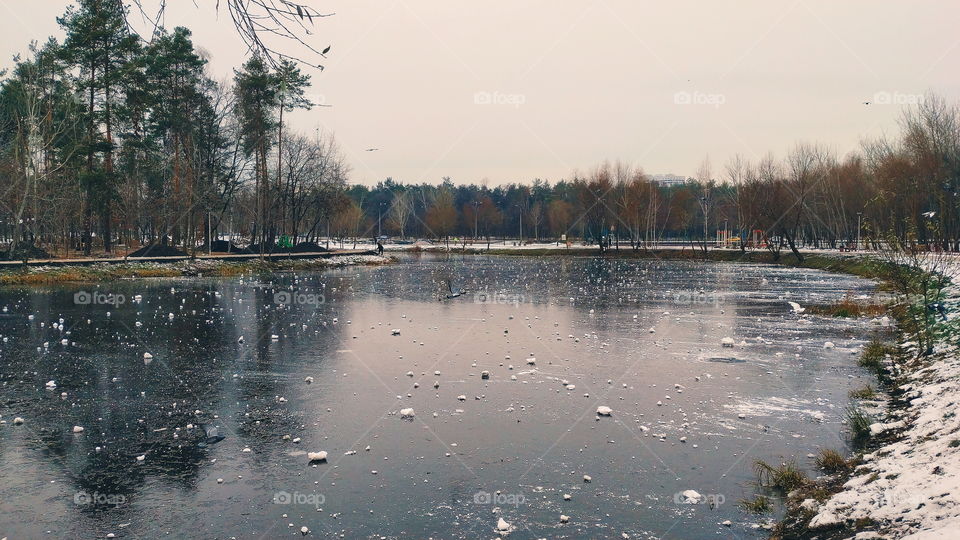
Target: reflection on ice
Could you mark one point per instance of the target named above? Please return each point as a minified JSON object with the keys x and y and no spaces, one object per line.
{"x":579,"y":388}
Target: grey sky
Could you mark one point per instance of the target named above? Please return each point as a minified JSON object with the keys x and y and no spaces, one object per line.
{"x":574,"y":83}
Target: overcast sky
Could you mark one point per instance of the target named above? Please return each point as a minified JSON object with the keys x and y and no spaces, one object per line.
{"x":523,"y":89}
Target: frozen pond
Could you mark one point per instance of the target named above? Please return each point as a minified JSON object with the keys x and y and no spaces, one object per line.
{"x":150,"y":463}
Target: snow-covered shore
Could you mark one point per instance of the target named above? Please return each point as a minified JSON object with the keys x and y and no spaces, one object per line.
{"x":910,"y":486}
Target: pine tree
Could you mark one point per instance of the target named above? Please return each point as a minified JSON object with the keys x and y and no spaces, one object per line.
{"x":174,"y":72}
{"x":257,"y":91}
{"x":100,"y":45}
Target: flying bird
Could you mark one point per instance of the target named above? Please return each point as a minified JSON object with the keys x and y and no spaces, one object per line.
{"x":371,"y":149}
{"x":796,"y":307}
{"x":453,"y":294}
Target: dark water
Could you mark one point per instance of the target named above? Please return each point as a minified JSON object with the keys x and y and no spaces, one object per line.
{"x":510,"y":449}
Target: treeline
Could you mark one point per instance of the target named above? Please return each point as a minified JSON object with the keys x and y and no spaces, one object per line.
{"x":108,"y":138}
{"x":111,"y":138}
{"x":905,"y":188}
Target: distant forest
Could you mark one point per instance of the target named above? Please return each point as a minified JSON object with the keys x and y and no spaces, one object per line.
{"x":109,"y":141}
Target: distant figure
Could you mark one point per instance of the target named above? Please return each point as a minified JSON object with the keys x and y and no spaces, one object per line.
{"x":379,"y":248}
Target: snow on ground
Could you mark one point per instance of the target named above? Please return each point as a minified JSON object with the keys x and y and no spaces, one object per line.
{"x":911,"y":486}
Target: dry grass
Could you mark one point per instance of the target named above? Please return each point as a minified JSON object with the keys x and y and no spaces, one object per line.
{"x":787,"y":477}
{"x":757,"y":505}
{"x":850,"y":307}
{"x":859,"y":425}
{"x":864,"y":392}
{"x":831,"y":461}
{"x":874,"y":356}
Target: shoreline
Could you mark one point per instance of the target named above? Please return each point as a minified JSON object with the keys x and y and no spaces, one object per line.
{"x":93,"y":270}
{"x":210,"y":267}
{"x":903,"y":482}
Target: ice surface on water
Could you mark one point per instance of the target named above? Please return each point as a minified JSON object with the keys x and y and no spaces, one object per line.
{"x":510,"y":450}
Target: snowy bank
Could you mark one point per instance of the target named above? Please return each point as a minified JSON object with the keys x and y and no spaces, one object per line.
{"x":909,"y":485}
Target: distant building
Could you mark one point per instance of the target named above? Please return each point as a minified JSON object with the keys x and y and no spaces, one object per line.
{"x":668,"y":180}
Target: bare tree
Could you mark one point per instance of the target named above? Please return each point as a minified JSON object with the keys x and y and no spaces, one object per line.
{"x":258,"y":22}
{"x":401,"y":209}
{"x":535,"y":218}
{"x":705,"y":177}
